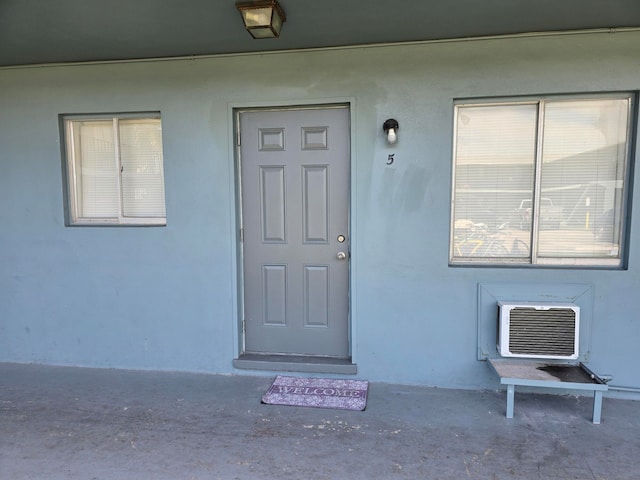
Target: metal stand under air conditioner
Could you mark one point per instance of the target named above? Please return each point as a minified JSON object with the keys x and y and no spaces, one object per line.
{"x":570,"y":376}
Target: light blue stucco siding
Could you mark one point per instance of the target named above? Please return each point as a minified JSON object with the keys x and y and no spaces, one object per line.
{"x":167,"y":297}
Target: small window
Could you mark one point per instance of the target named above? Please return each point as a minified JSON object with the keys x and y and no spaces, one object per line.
{"x":115,"y":170}
{"x":541,"y":182}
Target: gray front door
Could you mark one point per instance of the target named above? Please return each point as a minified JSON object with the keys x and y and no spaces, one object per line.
{"x":295,"y":215}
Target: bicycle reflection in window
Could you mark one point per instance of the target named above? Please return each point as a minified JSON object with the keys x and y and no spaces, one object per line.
{"x":477,"y":240}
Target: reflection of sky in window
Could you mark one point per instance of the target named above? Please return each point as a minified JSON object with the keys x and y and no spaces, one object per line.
{"x":496,"y":134}
{"x":572,"y":128}
{"x":507,"y":133}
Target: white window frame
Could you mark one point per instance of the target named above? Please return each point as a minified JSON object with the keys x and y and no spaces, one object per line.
{"x":74,"y":218}
{"x":533,"y":260}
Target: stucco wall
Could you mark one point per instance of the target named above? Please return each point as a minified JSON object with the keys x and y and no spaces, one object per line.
{"x":166,"y":298}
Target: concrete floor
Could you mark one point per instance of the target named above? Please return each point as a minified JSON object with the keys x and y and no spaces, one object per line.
{"x":72,"y":423}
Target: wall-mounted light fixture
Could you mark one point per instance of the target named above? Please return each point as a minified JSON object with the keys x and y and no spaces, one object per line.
{"x":262,"y":18}
{"x":391,"y":128}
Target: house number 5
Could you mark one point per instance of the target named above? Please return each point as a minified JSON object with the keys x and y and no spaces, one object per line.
{"x":390,"y":159}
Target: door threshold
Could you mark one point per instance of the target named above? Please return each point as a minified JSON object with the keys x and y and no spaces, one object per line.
{"x":295,"y":363}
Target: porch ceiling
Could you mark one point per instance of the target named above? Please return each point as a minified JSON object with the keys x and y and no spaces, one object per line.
{"x":34,"y":31}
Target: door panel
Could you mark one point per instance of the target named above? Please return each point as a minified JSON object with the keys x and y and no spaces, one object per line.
{"x":295,"y":206}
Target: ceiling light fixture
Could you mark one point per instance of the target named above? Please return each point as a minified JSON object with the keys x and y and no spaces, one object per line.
{"x":262,"y":18}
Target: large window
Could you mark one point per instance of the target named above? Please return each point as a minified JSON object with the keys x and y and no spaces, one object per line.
{"x":541,"y":182}
{"x":115,"y":170}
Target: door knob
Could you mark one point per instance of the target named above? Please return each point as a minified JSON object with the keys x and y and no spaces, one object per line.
{"x":341,"y":255}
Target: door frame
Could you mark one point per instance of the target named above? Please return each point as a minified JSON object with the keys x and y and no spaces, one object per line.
{"x":234,"y":111}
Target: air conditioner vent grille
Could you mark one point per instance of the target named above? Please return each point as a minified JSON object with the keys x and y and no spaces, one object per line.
{"x":539,"y":330}
{"x":542,"y":332}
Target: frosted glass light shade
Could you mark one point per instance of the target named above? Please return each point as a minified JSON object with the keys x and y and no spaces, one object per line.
{"x":262,"y":19}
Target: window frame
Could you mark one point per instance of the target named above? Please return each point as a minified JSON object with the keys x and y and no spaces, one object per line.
{"x":72,"y":207}
{"x":533,"y":260}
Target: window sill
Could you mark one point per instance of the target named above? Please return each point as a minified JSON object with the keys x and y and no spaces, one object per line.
{"x":112,"y":223}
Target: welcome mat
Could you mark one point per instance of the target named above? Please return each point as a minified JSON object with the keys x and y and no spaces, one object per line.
{"x":318,"y":392}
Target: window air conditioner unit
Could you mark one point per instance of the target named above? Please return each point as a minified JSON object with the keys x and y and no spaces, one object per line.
{"x":538,"y":330}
